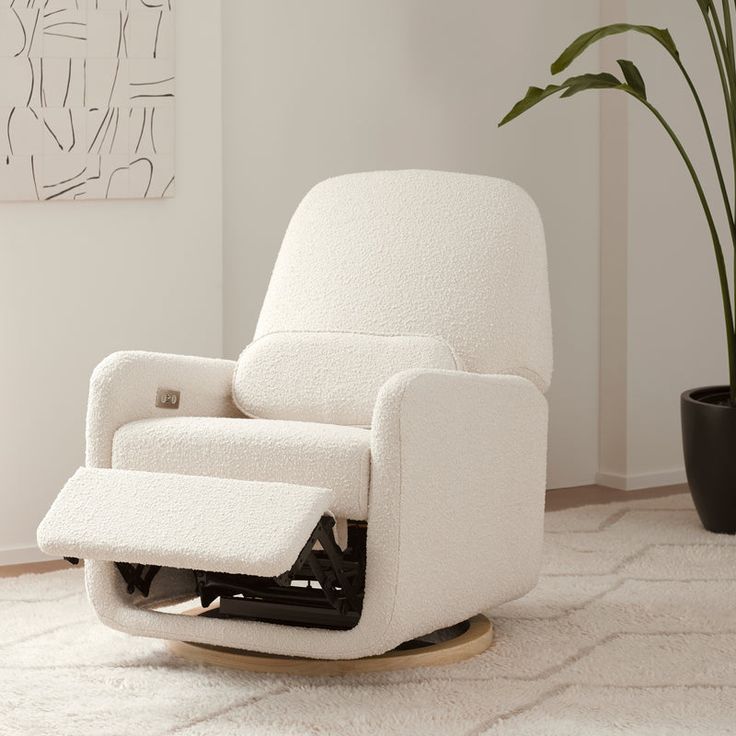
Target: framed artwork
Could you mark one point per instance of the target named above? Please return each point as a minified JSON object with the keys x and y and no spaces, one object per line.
{"x":87,"y":99}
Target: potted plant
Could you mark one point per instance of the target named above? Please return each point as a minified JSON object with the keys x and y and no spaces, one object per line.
{"x":708,"y":414}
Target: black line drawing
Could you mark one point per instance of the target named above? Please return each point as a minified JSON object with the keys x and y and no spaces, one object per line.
{"x":151,"y":172}
{"x":167,"y":187}
{"x":115,"y":132}
{"x":68,"y":84}
{"x":125,"y":30}
{"x":88,"y":124}
{"x":25,"y":35}
{"x":157,"y":81}
{"x":120,"y":35}
{"x":143,"y":128}
{"x":109,"y":181}
{"x":65,"y":23}
{"x":158,"y":31}
{"x":114,"y":82}
{"x":54,"y":136}
{"x":98,"y":175}
{"x":65,"y":181}
{"x":74,"y":132}
{"x":66,"y":35}
{"x":94,"y":140}
{"x":111,"y":116}
{"x":10,"y":139}
{"x":33,"y":32}
{"x":59,"y":194}
{"x":138,"y":97}
{"x":33,"y":173}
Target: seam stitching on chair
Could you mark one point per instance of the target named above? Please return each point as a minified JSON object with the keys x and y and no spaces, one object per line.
{"x":531,"y":375}
{"x":438,"y":338}
{"x":397,"y":565}
{"x":367,"y":459}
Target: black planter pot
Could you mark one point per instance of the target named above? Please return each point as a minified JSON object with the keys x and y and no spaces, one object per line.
{"x":709,"y":442}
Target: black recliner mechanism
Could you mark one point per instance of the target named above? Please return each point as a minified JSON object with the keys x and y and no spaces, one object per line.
{"x":138,"y":577}
{"x":324,"y":587}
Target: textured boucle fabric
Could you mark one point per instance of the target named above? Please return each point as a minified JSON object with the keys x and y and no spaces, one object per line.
{"x":454,"y":523}
{"x":457,"y":256}
{"x":123,"y":388}
{"x":339,"y":373}
{"x":322,"y":455}
{"x":181,"y":521}
{"x":457,"y":457}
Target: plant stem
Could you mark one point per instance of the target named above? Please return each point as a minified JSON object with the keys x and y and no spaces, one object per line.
{"x":714,"y":152}
{"x":726,"y":48}
{"x":724,"y":85}
{"x":720,"y":261}
{"x":731,"y":67}
{"x":728,"y":54}
{"x":727,"y":72}
{"x":728,"y":31}
{"x":731,"y":73}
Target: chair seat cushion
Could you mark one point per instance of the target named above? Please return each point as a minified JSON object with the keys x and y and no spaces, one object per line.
{"x":323,"y":455}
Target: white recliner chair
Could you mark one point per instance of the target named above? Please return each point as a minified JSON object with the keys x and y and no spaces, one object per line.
{"x":383,"y":437}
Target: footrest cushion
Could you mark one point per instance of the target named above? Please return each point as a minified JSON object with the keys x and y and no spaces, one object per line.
{"x":183,"y":521}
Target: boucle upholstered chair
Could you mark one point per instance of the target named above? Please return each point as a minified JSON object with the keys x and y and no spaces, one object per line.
{"x":395,"y":384}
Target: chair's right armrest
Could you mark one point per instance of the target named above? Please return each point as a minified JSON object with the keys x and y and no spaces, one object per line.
{"x":124,"y":388}
{"x":456,"y":504}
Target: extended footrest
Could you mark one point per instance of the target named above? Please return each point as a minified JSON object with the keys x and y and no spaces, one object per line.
{"x":266,"y":550}
{"x":183,"y":521}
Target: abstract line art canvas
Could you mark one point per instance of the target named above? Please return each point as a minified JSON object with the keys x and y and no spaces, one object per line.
{"x":87,"y":99}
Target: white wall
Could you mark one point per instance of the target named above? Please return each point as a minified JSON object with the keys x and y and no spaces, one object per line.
{"x":78,"y":281}
{"x":672,"y":321}
{"x":314,"y":89}
{"x":614,"y":224}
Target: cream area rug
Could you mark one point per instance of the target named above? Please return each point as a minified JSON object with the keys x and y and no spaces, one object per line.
{"x":632,"y":630}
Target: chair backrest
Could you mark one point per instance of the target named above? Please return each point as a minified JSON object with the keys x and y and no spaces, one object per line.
{"x":384,"y":271}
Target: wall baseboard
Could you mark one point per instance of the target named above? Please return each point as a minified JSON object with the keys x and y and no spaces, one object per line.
{"x":21,"y":555}
{"x":641,"y":481}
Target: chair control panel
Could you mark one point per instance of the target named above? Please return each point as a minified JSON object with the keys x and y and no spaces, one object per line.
{"x":168,"y":398}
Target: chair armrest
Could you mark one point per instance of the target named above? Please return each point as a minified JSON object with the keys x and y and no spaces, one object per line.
{"x":124,"y":385}
{"x":456,"y":502}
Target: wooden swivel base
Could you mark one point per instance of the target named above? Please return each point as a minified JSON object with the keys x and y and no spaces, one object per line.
{"x":445,"y":646}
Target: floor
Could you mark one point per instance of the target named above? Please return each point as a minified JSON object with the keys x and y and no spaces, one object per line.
{"x":570,"y":498}
{"x":629,"y":631}
{"x":557,"y":500}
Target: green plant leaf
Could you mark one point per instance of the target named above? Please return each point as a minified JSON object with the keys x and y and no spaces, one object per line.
{"x":582,"y":43}
{"x":533,"y":97}
{"x":570,"y":87}
{"x":633,"y":77}
{"x":706,"y":5}
{"x":584,"y":82}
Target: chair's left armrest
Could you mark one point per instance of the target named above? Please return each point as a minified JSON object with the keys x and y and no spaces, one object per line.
{"x":124,"y":388}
